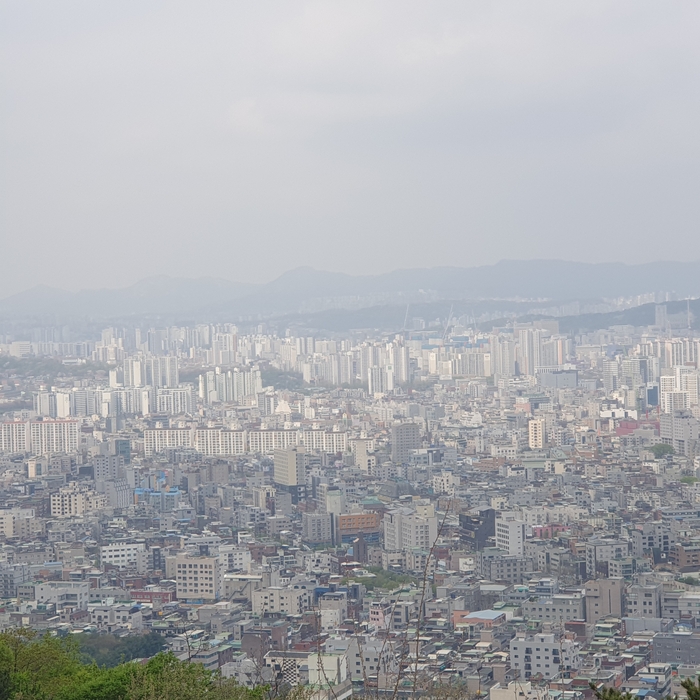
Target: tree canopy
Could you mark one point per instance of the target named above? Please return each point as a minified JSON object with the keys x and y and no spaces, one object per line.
{"x":661,"y":450}
{"x":34,"y":667}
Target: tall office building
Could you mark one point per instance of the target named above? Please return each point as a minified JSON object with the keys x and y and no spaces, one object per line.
{"x":405,"y":437}
{"x":290,"y":472}
{"x":661,"y":316}
{"x":335,"y":506}
{"x":611,"y":375}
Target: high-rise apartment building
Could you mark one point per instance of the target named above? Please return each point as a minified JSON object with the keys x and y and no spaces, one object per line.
{"x":536,"y":433}
{"x":681,"y":430}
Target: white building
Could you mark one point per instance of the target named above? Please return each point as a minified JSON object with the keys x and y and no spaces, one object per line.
{"x":123,"y":555}
{"x":197,"y":577}
{"x":445,"y":483}
{"x":316,"y":527}
{"x":517,"y":690}
{"x":543,"y":654}
{"x":39,"y":437}
{"x":234,"y":558}
{"x":405,"y":528}
{"x":112,"y":617}
{"x":74,"y":500}
{"x":64,"y":593}
{"x":510,"y":534}
{"x":276,"y":599}
{"x":11,"y":520}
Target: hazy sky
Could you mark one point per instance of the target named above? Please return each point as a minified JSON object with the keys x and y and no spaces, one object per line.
{"x":240,"y":140}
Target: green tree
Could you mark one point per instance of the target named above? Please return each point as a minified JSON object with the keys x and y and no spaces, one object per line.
{"x":691,"y":688}
{"x":38,"y":666}
{"x":661,"y":450}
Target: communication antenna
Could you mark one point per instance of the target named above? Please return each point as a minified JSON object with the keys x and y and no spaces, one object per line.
{"x":405,"y":319}
{"x":447,"y":325}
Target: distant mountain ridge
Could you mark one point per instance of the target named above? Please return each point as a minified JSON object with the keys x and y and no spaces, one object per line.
{"x":305,"y":287}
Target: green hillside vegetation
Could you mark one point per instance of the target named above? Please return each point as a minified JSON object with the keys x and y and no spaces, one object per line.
{"x":108,"y":650}
{"x":34,"y":667}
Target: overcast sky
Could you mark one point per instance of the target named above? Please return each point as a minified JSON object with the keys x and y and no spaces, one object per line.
{"x":240,"y":140}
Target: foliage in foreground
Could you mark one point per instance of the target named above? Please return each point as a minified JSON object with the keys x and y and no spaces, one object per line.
{"x":50,"y":668}
{"x":601,"y":693}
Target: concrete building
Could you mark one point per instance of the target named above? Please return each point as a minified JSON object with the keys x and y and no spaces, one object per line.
{"x":494,"y":564}
{"x":124,"y":554}
{"x":109,"y":618}
{"x":64,"y":594}
{"x":685,"y":556}
{"x":677,"y":648}
{"x":558,"y":608}
{"x":599,"y":551}
{"x":681,"y":430}
{"x":277,"y":599}
{"x":76,"y":499}
{"x":316,"y":528}
{"x":604,"y":598}
{"x":12,"y":520}
{"x":405,"y":528}
{"x":197,"y":577}
{"x":644,"y":600}
{"x":510,"y":534}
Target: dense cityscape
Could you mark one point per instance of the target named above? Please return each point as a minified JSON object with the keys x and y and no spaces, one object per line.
{"x":514,"y":511}
{"x":349,"y":350}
